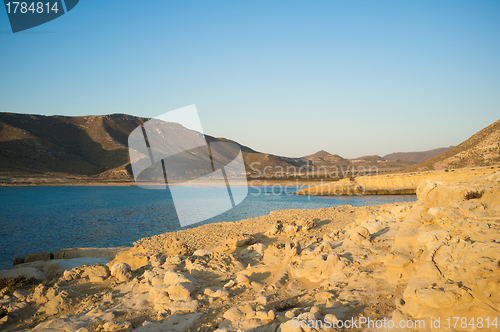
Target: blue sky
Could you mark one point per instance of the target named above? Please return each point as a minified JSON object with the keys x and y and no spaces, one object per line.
{"x":285,"y":77}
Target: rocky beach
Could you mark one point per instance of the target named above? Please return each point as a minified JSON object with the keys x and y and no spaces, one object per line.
{"x":250,"y":166}
{"x":414,"y":264}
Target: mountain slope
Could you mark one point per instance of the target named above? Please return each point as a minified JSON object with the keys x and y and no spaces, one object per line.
{"x":416,"y":157}
{"x":320,"y":153}
{"x":481,"y":149}
{"x":86,"y":145}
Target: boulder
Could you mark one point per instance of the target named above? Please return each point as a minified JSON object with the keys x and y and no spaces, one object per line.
{"x":95,"y":271}
{"x":121,"y":271}
{"x":216,"y":293}
{"x":239,"y":241}
{"x":180,"y":291}
{"x":117,"y":326}
{"x":172,"y":278}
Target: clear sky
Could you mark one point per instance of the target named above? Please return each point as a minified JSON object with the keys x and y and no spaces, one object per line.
{"x":284,"y":77}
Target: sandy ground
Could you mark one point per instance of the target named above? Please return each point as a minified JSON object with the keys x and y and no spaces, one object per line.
{"x":417,"y":263}
{"x":397,"y":183}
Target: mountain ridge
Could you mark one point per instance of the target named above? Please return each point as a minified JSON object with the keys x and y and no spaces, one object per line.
{"x":481,"y":149}
{"x":87,"y":145}
{"x":97,"y":145}
{"x":320,"y":153}
{"x":418,"y":156}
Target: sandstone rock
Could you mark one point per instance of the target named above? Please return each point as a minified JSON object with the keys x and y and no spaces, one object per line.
{"x":121,"y":271}
{"x":331,"y":318}
{"x":317,"y":269}
{"x":253,"y":251}
{"x":180,"y":291}
{"x":292,"y":249}
{"x":362,"y":231}
{"x":323,"y":297}
{"x":6,"y":300}
{"x":14,"y":306}
{"x":21,"y":293}
{"x":148,"y":275}
{"x":96,"y":279}
{"x":182,"y":306}
{"x":374,"y":227}
{"x":291,"y":229}
{"x":399,"y":209}
{"x":95,"y":271}
{"x":159,"y":295}
{"x":261,"y":300}
{"x":234,"y":314}
{"x":173,"y":323}
{"x":156,"y":260}
{"x":275,"y":229}
{"x":172,"y":278}
{"x":239,"y":241}
{"x":291,"y":326}
{"x":117,"y":326}
{"x":242,"y":279}
{"x":136,"y":258}
{"x":178,"y":247}
{"x":230,"y":284}
{"x":57,"y":304}
{"x":157,"y":280}
{"x":38,"y":295}
{"x":202,"y":252}
{"x":428,"y":238}
{"x":216,"y":293}
{"x":5,"y":320}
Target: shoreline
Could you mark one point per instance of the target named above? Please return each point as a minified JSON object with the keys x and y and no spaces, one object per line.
{"x":29,"y":182}
{"x":98,"y":251}
{"x":397,"y":182}
{"x":433,"y":258}
{"x":386,"y":184}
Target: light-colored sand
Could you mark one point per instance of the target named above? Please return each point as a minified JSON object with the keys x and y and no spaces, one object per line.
{"x":402,"y":183}
{"x":438,"y":257}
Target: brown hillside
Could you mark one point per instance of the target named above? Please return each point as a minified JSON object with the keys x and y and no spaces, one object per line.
{"x":481,"y":149}
{"x":416,"y":157}
{"x":85,"y":146}
{"x":320,"y":153}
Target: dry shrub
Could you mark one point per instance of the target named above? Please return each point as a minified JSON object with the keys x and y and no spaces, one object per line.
{"x":474,"y":194}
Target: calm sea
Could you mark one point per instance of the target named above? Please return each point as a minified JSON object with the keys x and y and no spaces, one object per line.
{"x":37,"y":219}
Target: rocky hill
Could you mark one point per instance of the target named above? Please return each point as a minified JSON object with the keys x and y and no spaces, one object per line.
{"x":416,"y":157}
{"x":36,"y":146}
{"x":320,"y":160}
{"x":32,"y":145}
{"x":481,"y":149}
{"x":320,"y":153}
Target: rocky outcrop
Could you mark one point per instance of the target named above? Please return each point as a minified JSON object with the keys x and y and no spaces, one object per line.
{"x":394,"y":184}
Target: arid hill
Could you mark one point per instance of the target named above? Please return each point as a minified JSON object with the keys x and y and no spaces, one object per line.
{"x":32,"y":145}
{"x":36,"y":146}
{"x":318,"y":161}
{"x":320,"y":153}
{"x":417,"y":157}
{"x":481,"y":149}
{"x":479,"y":155}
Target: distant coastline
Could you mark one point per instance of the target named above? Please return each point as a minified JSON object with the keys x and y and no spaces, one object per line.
{"x":6,"y":181}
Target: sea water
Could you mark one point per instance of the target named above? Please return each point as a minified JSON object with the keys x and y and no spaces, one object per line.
{"x":40,"y":219}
